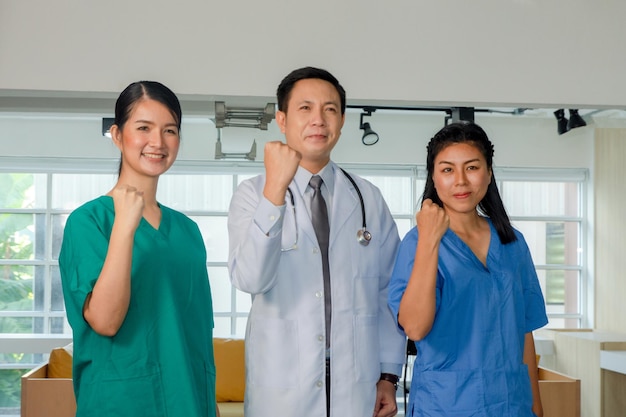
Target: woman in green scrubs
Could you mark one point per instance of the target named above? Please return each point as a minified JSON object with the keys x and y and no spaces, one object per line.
{"x":135,"y":280}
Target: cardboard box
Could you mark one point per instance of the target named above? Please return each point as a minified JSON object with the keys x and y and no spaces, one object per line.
{"x":47,"y":397}
{"x":43,"y":396}
{"x":560,"y":394}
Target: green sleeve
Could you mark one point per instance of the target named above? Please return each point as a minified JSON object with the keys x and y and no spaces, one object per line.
{"x":82,"y":256}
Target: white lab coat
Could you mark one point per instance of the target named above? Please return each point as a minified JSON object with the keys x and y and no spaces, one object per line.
{"x":285,"y":347}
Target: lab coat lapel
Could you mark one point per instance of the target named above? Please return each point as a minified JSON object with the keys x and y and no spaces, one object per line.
{"x":345,"y":205}
{"x":303,"y":218}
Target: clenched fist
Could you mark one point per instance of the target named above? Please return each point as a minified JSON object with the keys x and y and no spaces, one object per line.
{"x":432,"y":220}
{"x":128,"y":203}
{"x":281,"y":163}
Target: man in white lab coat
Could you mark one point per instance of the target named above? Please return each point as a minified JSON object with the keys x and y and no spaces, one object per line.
{"x":292,"y":368}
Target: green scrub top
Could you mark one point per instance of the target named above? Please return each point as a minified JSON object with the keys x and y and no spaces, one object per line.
{"x":160,"y":362}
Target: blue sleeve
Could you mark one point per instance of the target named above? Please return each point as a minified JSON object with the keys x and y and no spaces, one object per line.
{"x":402,"y":271}
{"x":533,"y":297}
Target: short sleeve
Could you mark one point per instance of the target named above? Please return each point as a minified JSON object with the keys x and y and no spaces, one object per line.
{"x":402,"y":272}
{"x":535,"y":306}
{"x":81,"y":259}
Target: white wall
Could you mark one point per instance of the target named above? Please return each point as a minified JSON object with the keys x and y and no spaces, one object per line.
{"x":523,"y":52}
{"x":519,"y":141}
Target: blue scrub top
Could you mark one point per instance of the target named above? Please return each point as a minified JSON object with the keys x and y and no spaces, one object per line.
{"x":471,"y":362}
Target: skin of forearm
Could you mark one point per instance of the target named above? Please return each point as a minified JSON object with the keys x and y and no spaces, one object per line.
{"x":106,"y":308}
{"x":417,"y":307}
{"x":530,"y":359}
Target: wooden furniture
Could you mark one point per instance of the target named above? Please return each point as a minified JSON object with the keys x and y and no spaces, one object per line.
{"x":560,"y":394}
{"x":578,"y":354}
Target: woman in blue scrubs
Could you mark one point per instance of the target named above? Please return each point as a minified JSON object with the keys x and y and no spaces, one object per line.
{"x":135,"y":280}
{"x":464,"y":288}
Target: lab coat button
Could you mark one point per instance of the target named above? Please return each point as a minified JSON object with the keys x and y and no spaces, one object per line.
{"x":320,"y":338}
{"x":272,"y":218}
{"x":316,"y":250}
{"x":318,"y":294}
{"x":319,"y":384}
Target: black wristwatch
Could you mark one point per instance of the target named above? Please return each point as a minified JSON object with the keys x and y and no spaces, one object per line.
{"x":391,"y":378}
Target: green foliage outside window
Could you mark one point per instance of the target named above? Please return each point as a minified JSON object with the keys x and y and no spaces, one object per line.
{"x":16,"y":281}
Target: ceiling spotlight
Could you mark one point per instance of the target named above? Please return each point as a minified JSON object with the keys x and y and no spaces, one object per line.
{"x":564,"y":125}
{"x":561,"y":121}
{"x":369,"y":136}
{"x":459,"y":114}
{"x":575,"y":120}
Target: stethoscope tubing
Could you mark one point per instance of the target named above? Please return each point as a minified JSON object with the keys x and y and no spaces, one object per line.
{"x":363,"y":235}
{"x":358,"y":191}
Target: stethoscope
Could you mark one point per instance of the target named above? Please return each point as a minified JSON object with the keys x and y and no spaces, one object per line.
{"x":363,"y":236}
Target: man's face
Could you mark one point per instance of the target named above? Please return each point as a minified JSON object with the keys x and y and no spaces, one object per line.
{"x":312,"y":121}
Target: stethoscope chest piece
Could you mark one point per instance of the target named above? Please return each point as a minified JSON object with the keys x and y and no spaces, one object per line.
{"x":363,"y":237}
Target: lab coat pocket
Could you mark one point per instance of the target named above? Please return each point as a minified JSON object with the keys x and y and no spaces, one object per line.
{"x":273,"y":353}
{"x":366,"y":360}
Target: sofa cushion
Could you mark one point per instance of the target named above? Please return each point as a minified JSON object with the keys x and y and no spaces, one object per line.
{"x":60,"y":362}
{"x":230,"y":369}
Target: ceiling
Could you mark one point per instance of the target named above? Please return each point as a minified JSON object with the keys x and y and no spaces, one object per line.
{"x":101,"y":104}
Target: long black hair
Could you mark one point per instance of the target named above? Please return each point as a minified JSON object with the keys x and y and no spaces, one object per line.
{"x":491,"y":204}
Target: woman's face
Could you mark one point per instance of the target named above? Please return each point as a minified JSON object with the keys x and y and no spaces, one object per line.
{"x":149,"y":140}
{"x":461,"y":177}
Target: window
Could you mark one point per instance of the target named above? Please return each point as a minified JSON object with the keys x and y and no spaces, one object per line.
{"x":547,"y":206}
{"x":37,"y":195}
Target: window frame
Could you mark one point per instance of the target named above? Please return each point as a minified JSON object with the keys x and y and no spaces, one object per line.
{"x":564,"y":175}
{"x":49,"y":166}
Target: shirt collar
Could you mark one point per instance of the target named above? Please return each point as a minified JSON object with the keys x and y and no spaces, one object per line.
{"x":327,"y":173}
